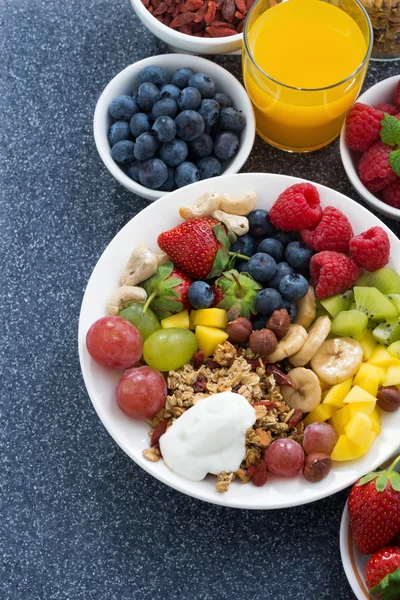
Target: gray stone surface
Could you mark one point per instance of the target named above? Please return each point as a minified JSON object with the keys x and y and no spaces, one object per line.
{"x":78,"y":519}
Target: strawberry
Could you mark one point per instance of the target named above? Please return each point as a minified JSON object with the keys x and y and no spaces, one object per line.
{"x":374,"y":509}
{"x":382,"y":573}
{"x":218,"y":294}
{"x":239,"y":294}
{"x":167,"y":291}
{"x":198,"y":246}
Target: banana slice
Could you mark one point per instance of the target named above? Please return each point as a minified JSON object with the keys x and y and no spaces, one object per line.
{"x":317,"y":334}
{"x":337,"y":360}
{"x":290,"y":344}
{"x":306,"y":391}
{"x":306,"y":309}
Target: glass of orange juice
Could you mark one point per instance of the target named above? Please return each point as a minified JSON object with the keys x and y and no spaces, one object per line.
{"x":304,"y":62}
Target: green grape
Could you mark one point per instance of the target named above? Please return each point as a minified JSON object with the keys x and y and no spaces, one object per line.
{"x":168,"y":349}
{"x":146,"y":323}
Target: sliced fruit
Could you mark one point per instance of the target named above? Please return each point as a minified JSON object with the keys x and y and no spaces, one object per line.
{"x":338,"y":303}
{"x":192,"y":317}
{"x":180,"y":320}
{"x":305,"y":392}
{"x":346,"y":450}
{"x":337,"y":360}
{"x":289,"y":344}
{"x":371,"y":438}
{"x":375,"y":420}
{"x":316,"y":335}
{"x":211,"y":317}
{"x":387,"y":332}
{"x":358,"y":429}
{"x":365,"y":407}
{"x":368,"y":370}
{"x":350,"y":323}
{"x":395,"y":349}
{"x":386,"y":280}
{"x":368,"y":344}
{"x":337,"y":393}
{"x":382,"y":358}
{"x":321,"y":413}
{"x":392,"y":376}
{"x":374,"y":304}
{"x":395,"y":300}
{"x":324,"y":386}
{"x":357,"y":394}
{"x":209,"y":338}
{"x":340,"y":418}
{"x":370,"y":385}
{"x":306,"y":309}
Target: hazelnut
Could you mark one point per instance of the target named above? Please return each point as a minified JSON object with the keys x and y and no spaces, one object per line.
{"x":239,"y":330}
{"x":263,"y":342}
{"x":279,"y":322}
{"x":388,"y":398}
{"x":317,"y":467}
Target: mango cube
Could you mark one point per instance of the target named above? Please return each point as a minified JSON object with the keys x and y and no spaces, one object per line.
{"x":368,"y":344}
{"x":365,"y":407}
{"x":322,"y":412}
{"x":180,"y":320}
{"x":209,"y":338}
{"x":192,"y":317}
{"x":371,"y":438}
{"x":340,"y":418}
{"x":382,"y":358}
{"x":358,"y":429}
{"x":367,"y":370}
{"x":392,"y":376}
{"x":346,"y":449}
{"x":370,"y":385}
{"x":211,"y":317}
{"x":357,"y":394}
{"x":375,"y":421}
{"x":336,"y":395}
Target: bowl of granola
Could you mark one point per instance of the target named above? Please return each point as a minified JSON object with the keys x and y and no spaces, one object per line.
{"x":282,"y":386}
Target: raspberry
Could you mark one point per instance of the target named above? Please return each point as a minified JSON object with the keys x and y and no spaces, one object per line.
{"x":363,"y":126}
{"x":391,"y":195}
{"x":332,"y":273}
{"x":388,"y":108}
{"x":374,"y":168}
{"x":296,"y":208}
{"x":333,"y":232}
{"x":397,"y":97}
{"x":371,"y":249}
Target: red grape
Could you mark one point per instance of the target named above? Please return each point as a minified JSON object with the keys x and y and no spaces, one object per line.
{"x":114,"y":342}
{"x":319,"y":438}
{"x":284,"y":457}
{"x":141,"y":392}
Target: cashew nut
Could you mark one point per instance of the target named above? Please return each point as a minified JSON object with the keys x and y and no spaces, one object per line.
{"x":124,"y":296}
{"x":162,"y":258}
{"x":202,"y":207}
{"x":141,"y":265}
{"x":238,"y":206}
{"x":239,"y":225}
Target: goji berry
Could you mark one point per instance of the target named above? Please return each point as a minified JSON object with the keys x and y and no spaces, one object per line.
{"x":160,"y":429}
{"x":260,"y":475}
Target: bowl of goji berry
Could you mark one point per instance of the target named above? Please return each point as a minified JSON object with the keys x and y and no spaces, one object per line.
{"x":196,"y":26}
{"x":370,"y":146}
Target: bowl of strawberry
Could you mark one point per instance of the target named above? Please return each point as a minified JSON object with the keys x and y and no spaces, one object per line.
{"x":370,"y":146}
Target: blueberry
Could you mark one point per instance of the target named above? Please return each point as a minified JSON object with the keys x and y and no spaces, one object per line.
{"x":242,"y":266}
{"x":223,"y":100}
{"x":200,"y":295}
{"x":244,"y":244}
{"x":123,"y":152}
{"x":148,"y":95}
{"x":273,"y":248}
{"x":259,"y":223}
{"x":209,"y":110}
{"x":119,"y":131}
{"x":133,"y":171}
{"x":170,"y":91}
{"x":203,"y":83}
{"x":186,"y":173}
{"x":166,"y":107}
{"x":285,"y":237}
{"x":259,"y":321}
{"x":298,"y":254}
{"x":139,"y":124}
{"x":189,"y":99}
{"x":173,"y":153}
{"x":262,"y":266}
{"x":290,"y":306}
{"x":226,"y":145}
{"x":189,"y":125}
{"x":146,"y":146}
{"x":268,"y":300}
{"x":181,"y":77}
{"x":282,"y":269}
{"x":123,"y":108}
{"x":153,"y":74}
{"x":201,"y":147}
{"x":293,"y":286}
{"x":232,"y":120}
{"x":165,"y":128}
{"x":169,"y":184}
{"x":209,"y":167}
{"x":153,"y":173}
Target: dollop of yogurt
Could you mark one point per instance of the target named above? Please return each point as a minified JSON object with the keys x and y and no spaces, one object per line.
{"x":209,"y":437}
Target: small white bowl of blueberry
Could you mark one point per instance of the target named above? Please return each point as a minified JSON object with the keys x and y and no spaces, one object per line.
{"x":159,"y":126}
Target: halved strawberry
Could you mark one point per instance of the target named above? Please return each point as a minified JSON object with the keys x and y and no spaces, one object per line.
{"x":167,"y":291}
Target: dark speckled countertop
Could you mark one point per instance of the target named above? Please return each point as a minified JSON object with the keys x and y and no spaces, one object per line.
{"x":78,"y":519}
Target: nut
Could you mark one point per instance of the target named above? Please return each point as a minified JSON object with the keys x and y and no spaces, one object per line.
{"x":316,"y":467}
{"x":279,"y":322}
{"x":123,"y":296}
{"x":162,"y":258}
{"x":238,"y":206}
{"x":239,"y":330}
{"x":263,"y":342}
{"x":202,"y":207}
{"x":239,"y":225}
{"x":388,"y":398}
{"x":141,"y":265}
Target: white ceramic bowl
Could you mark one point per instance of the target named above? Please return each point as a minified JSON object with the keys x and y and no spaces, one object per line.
{"x":382,"y":92}
{"x":125,"y":83}
{"x":180,"y":42}
{"x":132,"y":435}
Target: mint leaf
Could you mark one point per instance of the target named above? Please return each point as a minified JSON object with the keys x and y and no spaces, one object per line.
{"x":394,"y":158}
{"x":390,"y":132}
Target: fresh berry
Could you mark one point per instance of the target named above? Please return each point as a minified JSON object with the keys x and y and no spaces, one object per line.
{"x":146,"y":146}
{"x":293,"y":286}
{"x":223,"y":100}
{"x":259,"y":322}
{"x":285,"y":237}
{"x":167,"y":291}
{"x":333,"y":232}
{"x":244,"y":245}
{"x":166,"y":107}
{"x":201,"y":295}
{"x":397,"y":96}
{"x":119,"y":131}
{"x":169,"y":184}
{"x":123,"y":108}
{"x":290,"y":306}
{"x":387,"y":108}
{"x":165,"y":128}
{"x":374,"y":509}
{"x":260,"y":223}
{"x":391,"y":195}
{"x":198,"y":246}
{"x":371,"y":249}
{"x":203,"y":83}
{"x":148,"y":95}
{"x":363,"y":126}
{"x":296,"y":208}
{"x":153,"y":74}
{"x":123,"y":152}
{"x":332,"y":273}
{"x":208,"y":167}
{"x":218,"y":294}
{"x":189,"y":99}
{"x":268,"y":300}
{"x":189,"y":125}
{"x":239,"y":294}
{"x":382,"y":573}
{"x":298,"y":255}
{"x":186,"y":173}
{"x":201,"y":147}
{"x":226,"y":145}
{"x":232,"y":120}
{"x":272,"y":247}
{"x":282,"y":269}
{"x":181,"y":77}
{"x":114,"y":342}
{"x":374,"y":169}
{"x":262,"y":266}
{"x":153,"y":173}
{"x":242,"y":266}
{"x":173,"y":153}
{"x":170,"y":91}
{"x":133,"y":170}
{"x":139,"y":124}
{"x":209,"y":110}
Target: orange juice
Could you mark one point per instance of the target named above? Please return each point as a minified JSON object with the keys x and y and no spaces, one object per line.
{"x":303,"y":53}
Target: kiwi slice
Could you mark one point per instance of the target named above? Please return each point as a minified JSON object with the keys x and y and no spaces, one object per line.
{"x":386,"y":280}
{"x":387,"y":332}
{"x":395,"y":299}
{"x":350,"y":323}
{"x":338,"y":303}
{"x":394,"y":349}
{"x":374,"y":304}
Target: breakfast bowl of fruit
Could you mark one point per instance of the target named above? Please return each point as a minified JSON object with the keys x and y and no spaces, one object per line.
{"x":159,"y":126}
{"x":243,"y":333}
{"x":369,"y":146}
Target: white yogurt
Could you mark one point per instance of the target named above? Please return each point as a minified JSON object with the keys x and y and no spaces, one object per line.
{"x":209,"y":437}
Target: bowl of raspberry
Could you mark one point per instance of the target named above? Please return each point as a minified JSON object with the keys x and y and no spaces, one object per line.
{"x":370,"y":146}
